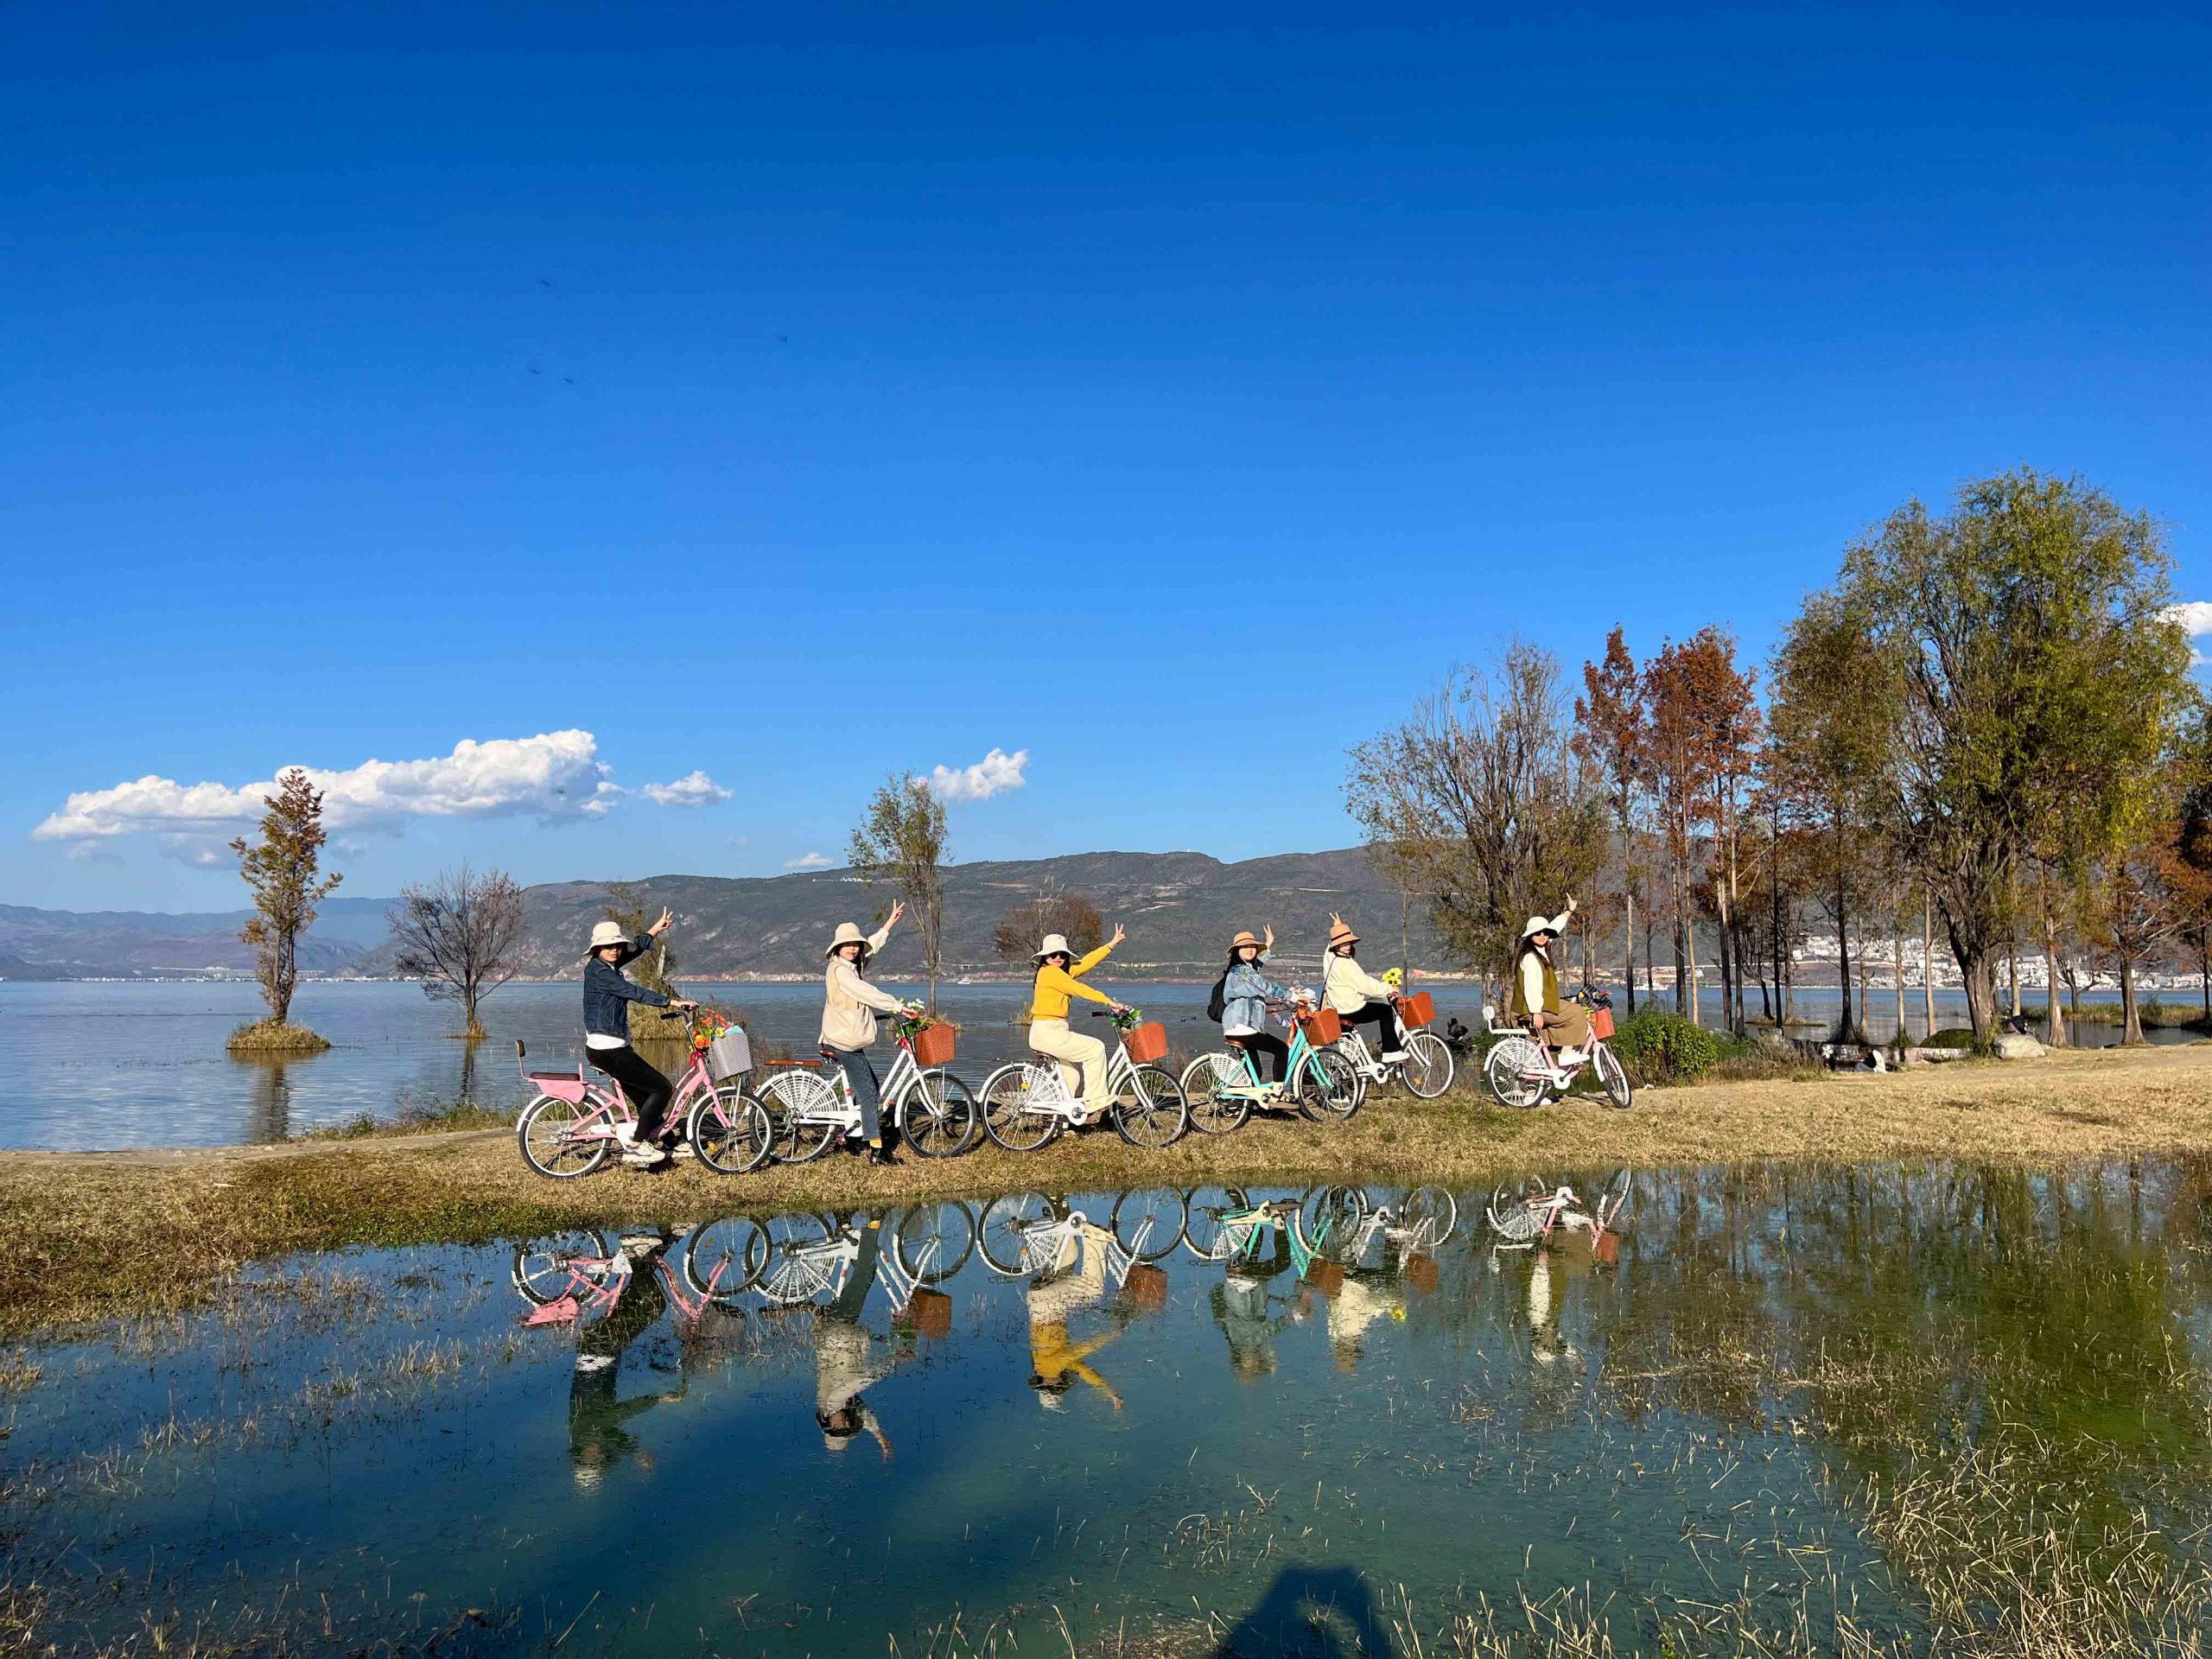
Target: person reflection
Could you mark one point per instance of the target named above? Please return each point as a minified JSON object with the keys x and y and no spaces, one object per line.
{"x":1547,"y":1344}
{"x":1358,"y":1304}
{"x":1248,"y":1315}
{"x":847,"y":1359}
{"x":1076,"y":1281}
{"x":597,"y":1438}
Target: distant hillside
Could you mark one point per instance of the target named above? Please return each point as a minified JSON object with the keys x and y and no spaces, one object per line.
{"x":62,"y":944}
{"x":1180,"y":909}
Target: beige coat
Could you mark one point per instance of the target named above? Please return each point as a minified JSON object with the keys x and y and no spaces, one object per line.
{"x":850,"y":1003}
{"x":1348,"y":988}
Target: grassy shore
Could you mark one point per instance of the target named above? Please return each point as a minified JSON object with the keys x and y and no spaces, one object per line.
{"x":103,"y":1233}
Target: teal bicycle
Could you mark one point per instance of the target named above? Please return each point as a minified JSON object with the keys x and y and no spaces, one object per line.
{"x":1223,"y":1088}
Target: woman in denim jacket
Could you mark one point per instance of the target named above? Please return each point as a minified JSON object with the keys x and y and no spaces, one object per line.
{"x":1245,"y":994}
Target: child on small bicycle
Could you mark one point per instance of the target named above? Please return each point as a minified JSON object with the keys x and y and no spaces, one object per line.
{"x":1535,"y":988}
{"x":607,"y":994}
{"x":1082,"y":1060}
{"x":1245,"y":994}
{"x":849,"y":1005}
{"x":1357,"y":995}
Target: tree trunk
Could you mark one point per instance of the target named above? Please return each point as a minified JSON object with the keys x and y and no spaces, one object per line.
{"x":2015,"y":946}
{"x":1630,"y":942}
{"x":1896,"y":973}
{"x":1865,"y":997}
{"x":2131,"y":1014}
{"x":1843,"y":948}
{"x":1928,"y":959}
{"x":1979,"y":979}
{"x":2053,"y":1029}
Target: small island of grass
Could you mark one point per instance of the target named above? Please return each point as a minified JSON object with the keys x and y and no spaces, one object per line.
{"x":275,"y":1036}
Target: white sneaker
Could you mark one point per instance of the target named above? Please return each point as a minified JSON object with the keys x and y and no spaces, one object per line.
{"x":1391,"y":1057}
{"x":645,"y":1157}
{"x":1570,"y":1056}
{"x":627,"y":1132}
{"x":682,"y":1149}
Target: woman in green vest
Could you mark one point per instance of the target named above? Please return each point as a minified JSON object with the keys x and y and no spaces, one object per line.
{"x":1535,"y":987}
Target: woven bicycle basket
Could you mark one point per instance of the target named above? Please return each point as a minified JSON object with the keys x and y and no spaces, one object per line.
{"x":730,"y":1055}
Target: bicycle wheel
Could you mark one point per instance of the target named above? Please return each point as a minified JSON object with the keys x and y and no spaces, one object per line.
{"x":1003,"y":1233}
{"x":937,"y":1114}
{"x":1205,"y":1216}
{"x":1428,"y":1067}
{"x":1506,"y":1072}
{"x":545,"y":1268}
{"x":1160,"y":1206}
{"x":1210,"y":1111}
{"x":799,"y":1107}
{"x":1328,"y":1221}
{"x":548,"y":1131}
{"x":933,"y":1240}
{"x":1429,"y":1216}
{"x":1010,"y":1117}
{"x":797,"y":1268}
{"x":726,"y":1257}
{"x":1613,"y":1203}
{"x":1330,"y":1088}
{"x":730,"y":1132}
{"x":1614,"y":1076}
{"x":1148,"y":1107}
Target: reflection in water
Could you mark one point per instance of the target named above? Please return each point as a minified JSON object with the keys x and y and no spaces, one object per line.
{"x":1828,"y":1402}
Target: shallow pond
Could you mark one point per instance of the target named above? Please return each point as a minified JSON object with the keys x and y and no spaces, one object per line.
{"x":107,"y":1064}
{"x":1328,"y":1421}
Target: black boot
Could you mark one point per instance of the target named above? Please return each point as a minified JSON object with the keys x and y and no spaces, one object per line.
{"x":881,"y":1157}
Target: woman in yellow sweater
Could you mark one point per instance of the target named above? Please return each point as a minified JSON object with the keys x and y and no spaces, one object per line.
{"x":1059,"y":976}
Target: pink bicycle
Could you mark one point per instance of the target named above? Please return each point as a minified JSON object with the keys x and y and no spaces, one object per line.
{"x":568,"y":1130}
{"x":576,"y":1277}
{"x":1524,"y":1220}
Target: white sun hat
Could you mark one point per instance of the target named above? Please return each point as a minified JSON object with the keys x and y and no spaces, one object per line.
{"x":1055,"y":944}
{"x":605,"y":934}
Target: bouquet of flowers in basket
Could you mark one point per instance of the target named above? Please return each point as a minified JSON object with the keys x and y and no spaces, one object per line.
{"x":913,"y":1020}
{"x":1395,"y":978}
{"x":1129,"y":1019}
{"x":707,"y":1024}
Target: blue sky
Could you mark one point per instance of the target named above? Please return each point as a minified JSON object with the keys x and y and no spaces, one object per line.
{"x":798,"y":395}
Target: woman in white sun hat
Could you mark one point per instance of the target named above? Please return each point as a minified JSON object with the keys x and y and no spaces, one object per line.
{"x":607,"y":994}
{"x":1059,"y":976}
{"x":1535,"y":987}
{"x":849,"y":1005}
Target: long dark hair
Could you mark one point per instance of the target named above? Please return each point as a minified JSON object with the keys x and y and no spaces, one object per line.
{"x":1522,"y":951}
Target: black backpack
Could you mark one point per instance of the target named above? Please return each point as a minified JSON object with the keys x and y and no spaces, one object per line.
{"x":1218,"y":1003}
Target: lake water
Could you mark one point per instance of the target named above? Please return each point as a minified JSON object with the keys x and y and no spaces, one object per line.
{"x":1727,"y":1415}
{"x":107,"y":1064}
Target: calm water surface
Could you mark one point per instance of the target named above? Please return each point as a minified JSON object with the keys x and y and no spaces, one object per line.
{"x":1239,"y":1448}
{"x":124,"y":1064}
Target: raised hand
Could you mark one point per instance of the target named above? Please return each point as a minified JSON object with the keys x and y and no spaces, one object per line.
{"x":1270,"y":943}
{"x":1120,"y":933}
{"x":899,"y":909}
{"x":667,"y":920}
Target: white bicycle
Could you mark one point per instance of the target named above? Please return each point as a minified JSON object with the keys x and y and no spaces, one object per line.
{"x":808,"y":1257}
{"x":1025,"y":1105}
{"x":1524,"y":1072}
{"x":1026,"y":1233}
{"x":1426,"y":1069}
{"x":811,"y":1106}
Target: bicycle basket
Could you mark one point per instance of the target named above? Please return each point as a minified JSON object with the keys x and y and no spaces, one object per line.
{"x":1146,"y":1043}
{"x":935,"y":1045}
{"x":1601,"y":1021}
{"x":1322,"y":1026}
{"x":730,"y":1055}
{"x":1416,"y":1011}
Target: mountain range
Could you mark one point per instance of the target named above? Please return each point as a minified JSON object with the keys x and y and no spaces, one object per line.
{"x":1179,"y":909}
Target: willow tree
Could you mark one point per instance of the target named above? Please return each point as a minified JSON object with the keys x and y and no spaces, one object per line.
{"x":1483,"y":797}
{"x":2039,"y":675}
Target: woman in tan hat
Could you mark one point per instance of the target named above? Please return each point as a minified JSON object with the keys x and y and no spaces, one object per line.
{"x":1245,"y":994}
{"x":1535,"y":987}
{"x":1059,"y":976}
{"x":1357,"y":995}
{"x":849,"y":1005}
{"x":607,"y":994}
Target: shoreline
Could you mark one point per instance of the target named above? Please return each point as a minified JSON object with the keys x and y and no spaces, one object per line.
{"x":102,"y":1234}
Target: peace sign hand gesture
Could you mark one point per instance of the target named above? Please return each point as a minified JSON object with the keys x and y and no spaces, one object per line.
{"x":1120,"y":933}
{"x":667,"y":920}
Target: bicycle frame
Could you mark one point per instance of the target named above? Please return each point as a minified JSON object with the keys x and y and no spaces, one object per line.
{"x":841,"y":1110}
{"x":607,"y":1100}
{"x":829,"y":1265}
{"x":590,"y":1293}
{"x":1252,"y":1089}
{"x":1047,"y":1093}
{"x":1044,"y":1242}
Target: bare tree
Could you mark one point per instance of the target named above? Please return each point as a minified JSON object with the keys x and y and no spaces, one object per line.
{"x":281,"y":869}
{"x":1483,"y":796}
{"x":1015,"y":938}
{"x":457,"y":935}
{"x":900,"y":841}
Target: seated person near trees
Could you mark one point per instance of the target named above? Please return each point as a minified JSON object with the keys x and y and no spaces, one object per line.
{"x":1535,"y":988}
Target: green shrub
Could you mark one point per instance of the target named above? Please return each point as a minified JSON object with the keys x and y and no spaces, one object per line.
{"x":1661,"y":1048}
{"x":1950,"y":1037}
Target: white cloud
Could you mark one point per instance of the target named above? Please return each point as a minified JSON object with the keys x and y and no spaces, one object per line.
{"x":811,"y":861}
{"x":89,"y":852}
{"x":2194,"y":616}
{"x":555,"y":775}
{"x":995,"y":772}
{"x":194,"y":852}
{"x":694,"y":790}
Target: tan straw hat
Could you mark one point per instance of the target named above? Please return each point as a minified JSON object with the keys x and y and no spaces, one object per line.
{"x":1340,"y":932}
{"x":1243,"y":937}
{"x":604,"y":934}
{"x":847,"y":934}
{"x":1055,"y":944}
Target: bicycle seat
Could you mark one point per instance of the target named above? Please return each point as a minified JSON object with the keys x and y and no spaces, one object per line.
{"x":561,"y":1085}
{"x":1232,"y":1042}
{"x":791,"y":1062}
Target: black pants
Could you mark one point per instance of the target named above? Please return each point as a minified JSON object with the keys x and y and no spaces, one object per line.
{"x":1384,"y":1019}
{"x":1270,"y":1055}
{"x":645,"y":1089}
